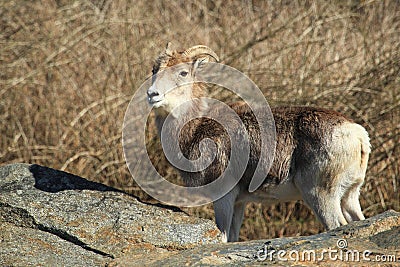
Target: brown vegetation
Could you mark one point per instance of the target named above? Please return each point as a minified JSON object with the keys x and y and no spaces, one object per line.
{"x":69,"y":68}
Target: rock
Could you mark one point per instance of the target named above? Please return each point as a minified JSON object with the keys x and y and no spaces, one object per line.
{"x":49,"y":216}
{"x":52,"y":218}
{"x":373,"y":241}
{"x":24,"y":246}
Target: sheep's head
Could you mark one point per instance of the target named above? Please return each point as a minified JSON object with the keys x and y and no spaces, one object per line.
{"x":174,"y":73}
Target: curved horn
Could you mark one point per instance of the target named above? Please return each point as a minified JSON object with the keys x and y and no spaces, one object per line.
{"x":200,"y":50}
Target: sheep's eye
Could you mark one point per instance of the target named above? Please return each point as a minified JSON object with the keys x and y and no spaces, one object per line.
{"x":183,"y":73}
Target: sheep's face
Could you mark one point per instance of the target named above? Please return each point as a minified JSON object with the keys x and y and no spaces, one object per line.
{"x":173,"y":86}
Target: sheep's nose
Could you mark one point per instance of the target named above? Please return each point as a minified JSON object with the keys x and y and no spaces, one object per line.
{"x":151,"y":94}
{"x":152,"y":91}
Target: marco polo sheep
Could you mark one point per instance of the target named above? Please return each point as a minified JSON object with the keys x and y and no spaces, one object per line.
{"x":321,"y":156}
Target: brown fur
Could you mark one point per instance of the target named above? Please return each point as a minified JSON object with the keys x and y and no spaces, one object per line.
{"x":299,"y":132}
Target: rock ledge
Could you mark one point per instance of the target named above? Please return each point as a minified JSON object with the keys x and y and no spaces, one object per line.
{"x":53,"y":218}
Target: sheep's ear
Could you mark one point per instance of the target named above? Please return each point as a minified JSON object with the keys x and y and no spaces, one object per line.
{"x":199,"y":63}
{"x":168,"y":49}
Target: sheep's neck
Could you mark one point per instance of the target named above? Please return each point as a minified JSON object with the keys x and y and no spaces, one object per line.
{"x":193,"y":118}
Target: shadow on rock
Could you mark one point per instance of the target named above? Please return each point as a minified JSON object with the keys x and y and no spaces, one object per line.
{"x":53,"y":181}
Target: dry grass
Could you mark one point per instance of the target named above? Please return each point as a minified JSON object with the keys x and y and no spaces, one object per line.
{"x":69,"y":68}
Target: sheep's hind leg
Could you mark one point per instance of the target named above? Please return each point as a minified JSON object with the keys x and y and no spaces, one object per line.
{"x":351,"y":205}
{"x":324,"y":200}
{"x":326,"y":207}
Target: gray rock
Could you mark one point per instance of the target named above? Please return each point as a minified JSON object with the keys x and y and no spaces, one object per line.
{"x":373,"y":241}
{"x":52,"y":218}
{"x":24,"y":246}
{"x":61,"y":212}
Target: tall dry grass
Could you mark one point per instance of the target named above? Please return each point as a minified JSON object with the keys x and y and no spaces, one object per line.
{"x":69,"y":68}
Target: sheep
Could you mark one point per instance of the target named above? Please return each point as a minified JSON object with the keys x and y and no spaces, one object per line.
{"x":321,"y":156}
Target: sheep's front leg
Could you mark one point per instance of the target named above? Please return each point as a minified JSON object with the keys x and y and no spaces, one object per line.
{"x":237,"y":220}
{"x":224,"y":209}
